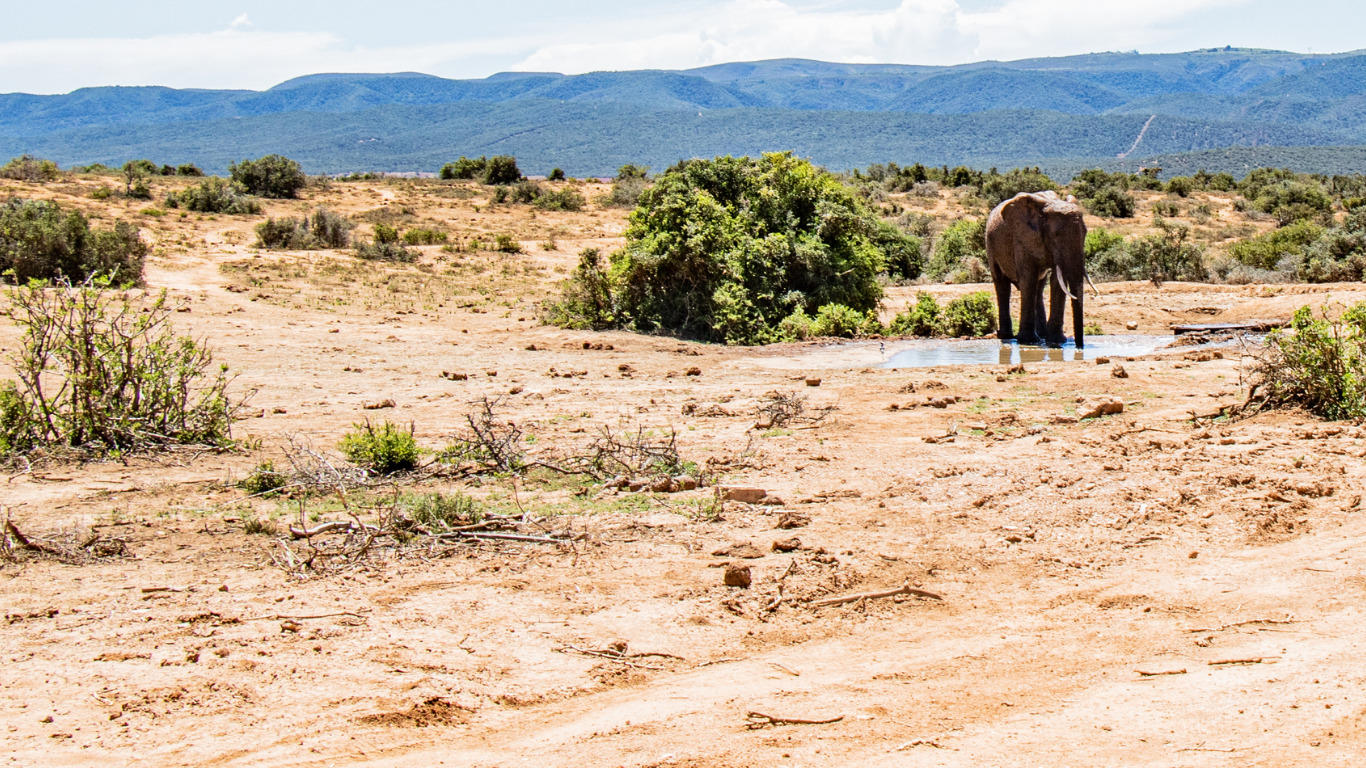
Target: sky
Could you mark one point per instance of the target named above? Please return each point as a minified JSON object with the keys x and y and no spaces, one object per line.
{"x":57,"y":46}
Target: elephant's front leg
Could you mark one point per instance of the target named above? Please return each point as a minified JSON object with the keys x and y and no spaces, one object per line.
{"x":1004,"y":329}
{"x":1040,"y":316}
{"x":1031,"y":307}
{"x":1057,"y":305}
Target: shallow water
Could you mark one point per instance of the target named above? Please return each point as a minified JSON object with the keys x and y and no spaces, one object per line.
{"x":924,"y":354}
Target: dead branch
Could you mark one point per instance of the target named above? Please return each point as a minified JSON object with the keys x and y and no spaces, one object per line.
{"x":1245,"y":623}
{"x":329,"y":527}
{"x":1236,"y":662}
{"x":500,"y":536}
{"x":1160,"y":674}
{"x":902,"y":590}
{"x":760,"y":720}
{"x":616,"y":653}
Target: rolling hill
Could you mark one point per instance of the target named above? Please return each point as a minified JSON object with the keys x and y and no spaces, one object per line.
{"x":1057,"y":112}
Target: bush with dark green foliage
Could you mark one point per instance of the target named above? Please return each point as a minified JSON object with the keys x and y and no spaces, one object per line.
{"x":383,"y":449}
{"x":920,"y":319}
{"x":725,"y":249}
{"x":1098,"y":242}
{"x":270,"y":176}
{"x":103,"y":371}
{"x":1181,"y":186}
{"x":960,"y":242}
{"x":1111,"y":203}
{"x":465,"y":168}
{"x":525,"y":191}
{"x":1214,"y":182}
{"x":996,"y":187}
{"x":556,"y":174}
{"x":214,"y":196}
{"x":1292,"y":201}
{"x":318,"y":230}
{"x":188,"y":169}
{"x":385,"y":246}
{"x":625,"y":192}
{"x":973,"y":314}
{"x":631,"y":171}
{"x":30,"y":168}
{"x":586,"y":299}
{"x":40,"y":240}
{"x":502,"y":169}
{"x":837,"y":320}
{"x":1317,"y":365}
{"x":567,"y":199}
{"x":1167,"y":255}
{"x":264,"y":480}
{"x":1266,"y":251}
{"x":902,"y":254}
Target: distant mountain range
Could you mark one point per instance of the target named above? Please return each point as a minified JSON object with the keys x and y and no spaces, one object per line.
{"x":1062,"y":113}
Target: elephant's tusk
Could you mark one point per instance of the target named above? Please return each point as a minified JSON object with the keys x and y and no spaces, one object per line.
{"x":1093,"y":285}
{"x":1057,"y":269}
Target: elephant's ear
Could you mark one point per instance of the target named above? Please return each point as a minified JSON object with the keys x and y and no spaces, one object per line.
{"x":1027,"y":209}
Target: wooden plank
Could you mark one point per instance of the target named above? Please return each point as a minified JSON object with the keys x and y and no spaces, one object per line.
{"x":1250,"y":326}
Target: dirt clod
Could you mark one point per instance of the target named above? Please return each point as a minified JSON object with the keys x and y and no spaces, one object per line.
{"x":737,"y":576}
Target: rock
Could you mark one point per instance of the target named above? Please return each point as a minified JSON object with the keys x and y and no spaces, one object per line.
{"x":1118,"y":372}
{"x":531,"y":347}
{"x":664,"y":485}
{"x":1102,"y":361}
{"x":693,"y":371}
{"x":490,"y":374}
{"x":455,"y":376}
{"x":1131,"y":326}
{"x":813,"y":382}
{"x":742,"y":494}
{"x":737,"y":576}
{"x":793,"y":519}
{"x":787,"y":545}
{"x":386,"y":403}
{"x":1062,"y":419}
{"x":772,"y":501}
{"x":743,"y":550}
{"x":1099,"y":405}
{"x":1017,"y":368}
{"x":686,"y":482}
{"x":517,"y":390}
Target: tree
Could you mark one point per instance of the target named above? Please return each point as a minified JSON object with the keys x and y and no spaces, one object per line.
{"x":464,"y":168}
{"x":502,"y":169}
{"x":270,"y":176}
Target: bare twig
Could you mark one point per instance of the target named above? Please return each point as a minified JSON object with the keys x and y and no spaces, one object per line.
{"x":902,"y":590}
{"x":1160,"y":674}
{"x":761,"y":720}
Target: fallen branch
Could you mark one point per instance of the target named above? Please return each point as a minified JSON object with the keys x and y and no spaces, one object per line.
{"x":1286,"y":620}
{"x":1159,"y":674}
{"x":282,"y":617}
{"x":329,"y":527}
{"x":613,"y":655}
{"x":27,"y":543}
{"x":761,"y":720}
{"x":501,"y":536}
{"x":920,"y":743}
{"x":902,"y":590}
{"x":1235,"y":662}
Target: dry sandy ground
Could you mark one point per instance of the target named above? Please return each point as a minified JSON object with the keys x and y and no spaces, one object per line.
{"x":1131,"y":590}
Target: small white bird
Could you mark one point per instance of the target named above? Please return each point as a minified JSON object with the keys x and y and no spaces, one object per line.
{"x":881,"y":348}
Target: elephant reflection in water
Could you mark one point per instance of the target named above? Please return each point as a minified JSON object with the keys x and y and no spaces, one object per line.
{"x":1014,"y":353}
{"x":1033,"y":239}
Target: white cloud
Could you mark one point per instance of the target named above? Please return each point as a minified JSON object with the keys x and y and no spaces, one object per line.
{"x":240,"y":21}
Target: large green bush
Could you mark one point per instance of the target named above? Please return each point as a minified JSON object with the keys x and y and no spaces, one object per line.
{"x":725,"y":249}
{"x":996,"y":187}
{"x":1112,"y":203}
{"x":1265,"y":251}
{"x":383,"y":448}
{"x":961,"y":241}
{"x":465,"y":168}
{"x":40,"y":240}
{"x":920,"y":319}
{"x":320,"y":229}
{"x":502,"y":169}
{"x":973,"y":314}
{"x":104,"y":371}
{"x":30,"y":168}
{"x":215,"y":196}
{"x":1319,"y":365}
{"x":270,"y":176}
{"x":902,"y":253}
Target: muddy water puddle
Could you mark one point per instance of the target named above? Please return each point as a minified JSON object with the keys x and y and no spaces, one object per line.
{"x":928,"y":353}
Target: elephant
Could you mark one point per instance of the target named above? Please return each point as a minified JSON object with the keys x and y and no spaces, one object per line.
{"x":1036,"y":238}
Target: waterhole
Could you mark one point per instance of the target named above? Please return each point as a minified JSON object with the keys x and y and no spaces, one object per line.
{"x":928,"y":353}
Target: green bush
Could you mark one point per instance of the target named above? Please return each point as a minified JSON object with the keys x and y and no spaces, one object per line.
{"x":525,"y":191}
{"x":1168,"y":255}
{"x":1181,"y":186}
{"x":1112,"y":203}
{"x":567,"y":199}
{"x":104,"y":371}
{"x":270,"y":176}
{"x":838,"y":320}
{"x":214,"y":196}
{"x":264,"y":480}
{"x":971,"y":315}
{"x":1266,"y":251}
{"x":1317,"y":366}
{"x":585,"y":301}
{"x":725,"y":249}
{"x":320,"y":229}
{"x":500,"y":194}
{"x":1293,"y":201}
{"x":997,"y":187}
{"x":962,"y":240}
{"x":902,"y":253}
{"x":556,"y":174}
{"x":30,"y":168}
{"x":797,"y":326}
{"x":464,"y":168}
{"x":921,"y":319}
{"x":438,"y":511}
{"x":625,"y":192}
{"x":1098,"y":242}
{"x":39,"y":240}
{"x":423,"y":237}
{"x":188,"y":169}
{"x":383,"y":449}
{"x":502,"y":169}
{"x":506,"y":244}
{"x":632,"y":171}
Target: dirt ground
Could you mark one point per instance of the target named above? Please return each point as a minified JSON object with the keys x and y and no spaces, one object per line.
{"x":1137,"y":589}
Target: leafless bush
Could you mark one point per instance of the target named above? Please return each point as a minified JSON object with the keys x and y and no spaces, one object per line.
{"x":489,"y":439}
{"x":779,"y":409}
{"x":72,"y":547}
{"x":635,"y":453}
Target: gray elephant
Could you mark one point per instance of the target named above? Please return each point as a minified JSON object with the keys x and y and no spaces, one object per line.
{"x":1034,"y":239}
